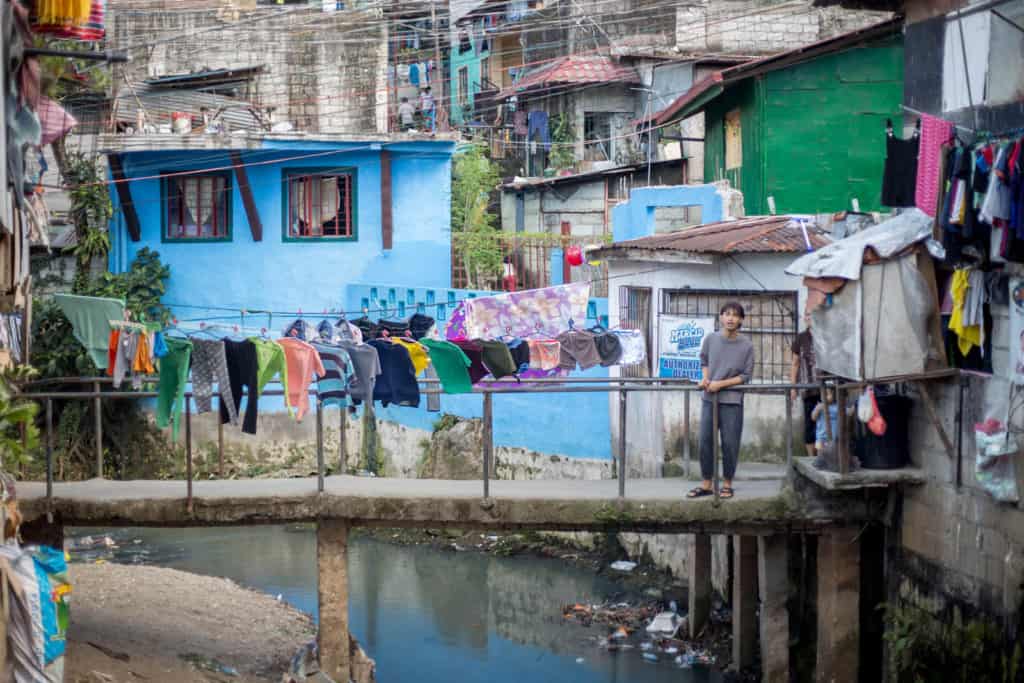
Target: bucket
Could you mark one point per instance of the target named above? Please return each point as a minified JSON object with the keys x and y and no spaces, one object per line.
{"x":181,"y":122}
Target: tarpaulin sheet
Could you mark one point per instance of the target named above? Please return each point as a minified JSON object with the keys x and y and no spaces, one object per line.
{"x":845,"y":257}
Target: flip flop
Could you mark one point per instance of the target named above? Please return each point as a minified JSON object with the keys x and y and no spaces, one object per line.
{"x":699,"y":492}
{"x":725,"y":492}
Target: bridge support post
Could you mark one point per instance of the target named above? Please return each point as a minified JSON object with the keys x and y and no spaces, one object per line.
{"x":699,"y":582}
{"x":838,"y":606}
{"x":332,"y":596}
{"x":744,"y":601}
{"x":773,"y":585}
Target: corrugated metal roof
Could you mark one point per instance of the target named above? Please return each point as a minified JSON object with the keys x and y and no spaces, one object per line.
{"x":160,"y":103}
{"x":751,"y":235}
{"x":573,"y":70}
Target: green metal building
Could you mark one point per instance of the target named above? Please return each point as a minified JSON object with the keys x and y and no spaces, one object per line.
{"x":805,"y":128}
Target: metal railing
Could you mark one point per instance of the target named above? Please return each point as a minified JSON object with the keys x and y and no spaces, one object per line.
{"x":622,"y":386}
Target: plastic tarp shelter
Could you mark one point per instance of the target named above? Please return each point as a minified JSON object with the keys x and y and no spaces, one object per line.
{"x":884,"y":321}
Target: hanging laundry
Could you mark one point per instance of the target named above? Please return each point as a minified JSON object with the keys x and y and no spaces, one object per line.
{"x":159,"y":345}
{"x":366,"y":363}
{"x":243,"y":371}
{"x":394,"y":328}
{"x":332,"y":386}
{"x":270,"y":361}
{"x":366,"y":327}
{"x":124,"y":359}
{"x":609,"y":348}
{"x":455,"y":328}
{"x":417,"y":353}
{"x":303,"y":362}
{"x":112,"y":350}
{"x":90,"y":318}
{"x":634,"y":347}
{"x":397,"y":381}
{"x":70,"y":19}
{"x":143,"y":363}
{"x":520,"y":352}
{"x":299,"y":329}
{"x":899,"y":178}
{"x":170,"y":399}
{"x":545,"y":311}
{"x":420,"y":325}
{"x":969,"y":335}
{"x":209,"y":365}
{"x":544,"y":353}
{"x":497,"y":359}
{"x":537,"y":124}
{"x":343,"y":329}
{"x":414,"y":74}
{"x":519,"y":122}
{"x":578,"y":347}
{"x":475,"y":352}
{"x":935,"y":132}
{"x":451,"y":366}
{"x":1016,"y":287}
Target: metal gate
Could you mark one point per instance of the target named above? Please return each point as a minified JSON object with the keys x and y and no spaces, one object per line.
{"x":770,"y":323}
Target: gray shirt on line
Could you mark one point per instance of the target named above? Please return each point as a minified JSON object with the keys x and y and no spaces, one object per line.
{"x":726,"y":358}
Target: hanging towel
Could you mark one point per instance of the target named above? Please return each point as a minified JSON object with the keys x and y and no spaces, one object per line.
{"x":521,"y":314}
{"x":171,"y":388}
{"x":90,"y":318}
{"x":935,"y":132}
{"x":451,"y":365}
{"x":303,"y":362}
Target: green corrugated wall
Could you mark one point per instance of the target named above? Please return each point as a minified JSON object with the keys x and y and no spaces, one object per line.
{"x":813,"y":134}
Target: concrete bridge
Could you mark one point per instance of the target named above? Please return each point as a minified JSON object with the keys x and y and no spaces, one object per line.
{"x":764,"y":516}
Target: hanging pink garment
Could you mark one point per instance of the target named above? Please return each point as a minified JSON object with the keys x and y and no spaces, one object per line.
{"x":935,"y":132}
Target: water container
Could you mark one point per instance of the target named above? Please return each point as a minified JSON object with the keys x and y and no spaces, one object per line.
{"x":891,"y":450}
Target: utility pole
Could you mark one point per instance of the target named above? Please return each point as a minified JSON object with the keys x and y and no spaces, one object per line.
{"x":439,"y":101}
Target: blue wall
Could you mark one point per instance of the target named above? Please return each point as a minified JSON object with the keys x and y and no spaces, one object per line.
{"x":635,"y":217}
{"x":287,"y":276}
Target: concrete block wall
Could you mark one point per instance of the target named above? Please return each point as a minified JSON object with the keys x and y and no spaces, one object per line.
{"x":960,"y":547}
{"x":325,"y":72}
{"x":754,"y":27}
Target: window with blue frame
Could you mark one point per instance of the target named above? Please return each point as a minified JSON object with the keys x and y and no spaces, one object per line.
{"x":196,"y":207}
{"x":319,"y":204}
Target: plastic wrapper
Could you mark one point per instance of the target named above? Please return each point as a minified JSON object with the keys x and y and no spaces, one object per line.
{"x":995,"y":454}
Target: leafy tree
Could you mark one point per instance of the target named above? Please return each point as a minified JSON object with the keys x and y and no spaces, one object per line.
{"x":563,"y":138}
{"x":90,"y":212}
{"x":474,"y":178}
{"x":16,"y":416}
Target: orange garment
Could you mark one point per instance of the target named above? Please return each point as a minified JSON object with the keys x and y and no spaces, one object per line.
{"x":115,"y":335}
{"x":545,"y":354}
{"x":303,"y":362}
{"x":143,"y":356}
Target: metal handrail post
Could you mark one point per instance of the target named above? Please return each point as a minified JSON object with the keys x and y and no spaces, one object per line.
{"x":220,"y":438}
{"x":488,"y":438}
{"x":188,"y":451}
{"x":342,"y":442}
{"x":842,"y":439}
{"x":622,"y":442}
{"x":98,"y":408}
{"x":714,"y":440}
{"x":687,"y":455}
{"x":319,"y":445}
{"x":789,"y":428}
{"x":49,"y":459}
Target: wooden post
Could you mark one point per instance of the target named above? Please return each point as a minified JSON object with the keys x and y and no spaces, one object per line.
{"x":488,"y":438}
{"x":98,"y":409}
{"x":744,"y":601}
{"x":623,"y":418}
{"x":188,"y":450}
{"x":332,"y":597}
{"x":220,"y":439}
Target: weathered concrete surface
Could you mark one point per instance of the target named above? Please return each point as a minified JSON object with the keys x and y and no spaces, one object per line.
{"x":838,"y":606}
{"x":860,"y":479}
{"x":656,"y":505}
{"x":773,"y":587}
{"x":699,"y":582}
{"x":332,"y":595}
{"x":744,"y":601}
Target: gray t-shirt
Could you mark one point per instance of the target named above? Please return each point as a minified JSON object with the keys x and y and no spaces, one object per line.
{"x":726,"y":358}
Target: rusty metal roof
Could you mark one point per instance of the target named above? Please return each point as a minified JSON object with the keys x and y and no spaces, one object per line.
{"x":573,"y":70}
{"x":751,"y":235}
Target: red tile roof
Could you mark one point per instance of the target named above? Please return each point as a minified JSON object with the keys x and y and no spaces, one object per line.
{"x":573,"y":70}
{"x":751,"y":235}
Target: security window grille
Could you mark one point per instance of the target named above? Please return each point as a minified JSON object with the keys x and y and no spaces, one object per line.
{"x":635,"y":314}
{"x":320,"y":205}
{"x":770,"y":323}
{"x":463,"y":86}
{"x":198,"y":207}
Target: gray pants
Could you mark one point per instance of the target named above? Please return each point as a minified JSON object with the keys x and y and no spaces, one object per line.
{"x":730,"y":426}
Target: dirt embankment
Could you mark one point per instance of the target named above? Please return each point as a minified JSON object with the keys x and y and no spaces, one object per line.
{"x":136,"y":623}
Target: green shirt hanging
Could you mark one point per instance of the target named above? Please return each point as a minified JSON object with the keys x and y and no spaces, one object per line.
{"x":451,"y":365}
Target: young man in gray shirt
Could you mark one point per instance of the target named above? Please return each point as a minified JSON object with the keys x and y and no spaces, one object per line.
{"x":726,"y":360}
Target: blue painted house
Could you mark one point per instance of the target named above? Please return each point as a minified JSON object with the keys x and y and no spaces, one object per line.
{"x":282,"y":222}
{"x":316,"y":224}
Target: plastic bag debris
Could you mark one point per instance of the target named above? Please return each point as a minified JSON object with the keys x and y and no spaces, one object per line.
{"x":623,"y":566}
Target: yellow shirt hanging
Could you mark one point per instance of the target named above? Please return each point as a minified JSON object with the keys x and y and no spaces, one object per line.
{"x":418,"y":354}
{"x":966,"y":336}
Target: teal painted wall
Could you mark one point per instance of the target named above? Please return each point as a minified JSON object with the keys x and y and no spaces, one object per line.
{"x":470,"y":60}
{"x":813,"y":134}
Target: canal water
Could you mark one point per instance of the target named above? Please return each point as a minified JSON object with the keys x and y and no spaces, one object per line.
{"x":423,"y":614}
